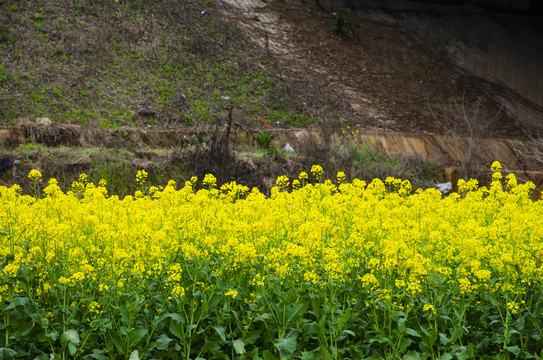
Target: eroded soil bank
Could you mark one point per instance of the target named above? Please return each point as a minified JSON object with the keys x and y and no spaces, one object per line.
{"x":458,"y":156}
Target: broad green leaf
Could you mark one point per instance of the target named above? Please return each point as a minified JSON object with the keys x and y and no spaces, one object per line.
{"x":116,"y":341}
{"x":299,"y":309}
{"x":135,"y":336}
{"x":404,"y":344}
{"x":190,"y":327}
{"x":28,"y":329}
{"x":95,"y":356}
{"x":343,"y":319}
{"x":464,"y":354}
{"x":268,"y":355}
{"x":443,"y":338}
{"x":220,"y":331}
{"x":70,"y":337}
{"x":286,"y":347}
{"x":412,"y":332}
{"x":52,"y":335}
{"x":7,"y":353}
{"x":177,"y":329}
{"x":265,"y":316}
{"x":17,"y":301}
{"x":412,"y":355}
{"x":277,"y":311}
{"x":520,"y":323}
{"x":513,"y":349}
{"x":239,"y":346}
{"x":318,"y":354}
{"x":163,"y":341}
{"x":425,"y":330}
{"x":124,"y":314}
{"x":322,"y":329}
{"x":174,"y":317}
{"x":135,"y":355}
{"x":446,"y":356}
{"x":457,"y":333}
{"x":401,"y":323}
{"x":251,"y":337}
{"x":210,"y":346}
{"x":72,"y":349}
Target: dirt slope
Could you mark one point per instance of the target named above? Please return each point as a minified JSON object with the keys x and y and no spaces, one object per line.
{"x":405,"y":72}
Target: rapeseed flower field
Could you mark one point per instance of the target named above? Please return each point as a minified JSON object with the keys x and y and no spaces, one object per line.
{"x":319,"y":269}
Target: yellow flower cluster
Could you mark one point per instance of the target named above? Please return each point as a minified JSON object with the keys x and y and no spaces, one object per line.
{"x":380,"y":235}
{"x":141,"y":176}
{"x":34,"y":175}
{"x":232,"y":293}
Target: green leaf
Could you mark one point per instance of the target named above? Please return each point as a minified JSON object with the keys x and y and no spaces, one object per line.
{"x":28,"y":329}
{"x":17,"y":301}
{"x":116,"y":341}
{"x":323,"y":354}
{"x":124,"y":314}
{"x":286,"y":347}
{"x":412,"y":332}
{"x":458,"y":332}
{"x":265,"y":316}
{"x":7,"y":353}
{"x":251,"y":337}
{"x":443,"y":338}
{"x":464,"y":354}
{"x":175,"y":317}
{"x":52,"y":335}
{"x":70,"y":337}
{"x":321,"y":330}
{"x":135,"y":355}
{"x":163,"y":341}
{"x":176,"y":328}
{"x":298,"y":309}
{"x":412,"y":355}
{"x":446,"y":356}
{"x":95,"y":356}
{"x":513,"y":349}
{"x":343,"y":319}
{"x":239,"y":346}
{"x":135,"y":336}
{"x":72,"y":349}
{"x":404,"y":344}
{"x":210,"y":347}
{"x":268,"y":355}
{"x":401,"y":323}
{"x":220,"y":331}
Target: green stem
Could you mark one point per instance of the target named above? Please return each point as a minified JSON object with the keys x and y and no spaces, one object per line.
{"x":64,"y":310}
{"x":6,"y":321}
